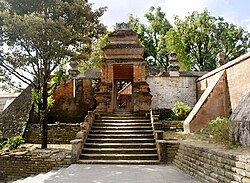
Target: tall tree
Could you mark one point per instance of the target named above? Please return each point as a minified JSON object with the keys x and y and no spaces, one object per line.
{"x":96,"y":54}
{"x":42,"y":36}
{"x":201,"y":37}
{"x":152,"y":35}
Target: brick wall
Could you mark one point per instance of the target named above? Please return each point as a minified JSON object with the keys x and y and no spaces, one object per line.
{"x":220,"y":98}
{"x":237,"y":79}
{"x":67,"y":109}
{"x":23,"y":164}
{"x":58,"y":133}
{"x":213,"y":103}
{"x":211,"y":165}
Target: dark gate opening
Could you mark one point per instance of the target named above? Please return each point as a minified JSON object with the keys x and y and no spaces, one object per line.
{"x":123,"y":87}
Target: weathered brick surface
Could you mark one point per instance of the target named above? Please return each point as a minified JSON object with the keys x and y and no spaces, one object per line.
{"x":211,"y":165}
{"x":224,"y":98}
{"x":58,"y":133}
{"x":20,"y":165}
{"x":67,"y":109}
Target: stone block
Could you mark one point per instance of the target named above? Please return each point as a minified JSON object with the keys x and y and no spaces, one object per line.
{"x":248,"y":174}
{"x":76,"y":149}
{"x":247,"y":167}
{"x":245,"y":180}
{"x":240,"y":164}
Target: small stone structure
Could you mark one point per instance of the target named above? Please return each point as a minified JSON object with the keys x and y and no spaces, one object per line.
{"x":173,"y":65}
{"x":220,"y":59}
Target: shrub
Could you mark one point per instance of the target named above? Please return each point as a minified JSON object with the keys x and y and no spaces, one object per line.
{"x":2,"y":142}
{"x":180,"y":111}
{"x":218,"y":129}
{"x":14,"y":142}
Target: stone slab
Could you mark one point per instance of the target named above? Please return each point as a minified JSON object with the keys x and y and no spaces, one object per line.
{"x":113,"y":174}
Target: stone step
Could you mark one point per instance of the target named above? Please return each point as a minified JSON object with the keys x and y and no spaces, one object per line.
{"x":120,"y":140}
{"x":122,"y":121}
{"x":120,"y":145}
{"x":115,"y":136}
{"x":119,"y":156}
{"x":105,"y":131}
{"x":120,"y":162}
{"x":121,"y":127}
{"x":122,"y":124}
{"x":116,"y":139}
{"x":119,"y":151}
{"x":122,"y":117}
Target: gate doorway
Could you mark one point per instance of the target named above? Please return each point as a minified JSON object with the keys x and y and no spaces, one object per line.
{"x":123,"y":88}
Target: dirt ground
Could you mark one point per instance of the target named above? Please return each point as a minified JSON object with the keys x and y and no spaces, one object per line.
{"x":205,"y":141}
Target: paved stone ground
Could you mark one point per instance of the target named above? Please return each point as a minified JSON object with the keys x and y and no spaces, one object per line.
{"x":79,"y":173}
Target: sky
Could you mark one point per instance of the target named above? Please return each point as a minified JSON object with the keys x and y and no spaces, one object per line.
{"x":233,"y":11}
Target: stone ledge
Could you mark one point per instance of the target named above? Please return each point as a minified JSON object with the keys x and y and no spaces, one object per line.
{"x":212,"y":164}
{"x":23,"y":164}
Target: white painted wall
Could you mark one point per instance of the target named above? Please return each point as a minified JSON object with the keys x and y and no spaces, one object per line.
{"x":166,"y":90}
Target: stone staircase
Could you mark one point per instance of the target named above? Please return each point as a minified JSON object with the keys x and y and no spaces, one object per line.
{"x":120,"y":139}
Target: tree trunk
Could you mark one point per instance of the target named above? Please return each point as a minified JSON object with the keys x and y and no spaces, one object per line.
{"x":44,"y":124}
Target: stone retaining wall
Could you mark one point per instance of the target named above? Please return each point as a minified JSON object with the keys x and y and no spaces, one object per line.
{"x":172,"y":125}
{"x":167,"y":150}
{"x":23,"y":164}
{"x":58,"y":133}
{"x":213,"y":166}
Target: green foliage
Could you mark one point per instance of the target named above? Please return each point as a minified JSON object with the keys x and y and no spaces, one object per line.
{"x":218,"y":129}
{"x":42,"y":37}
{"x":197,"y":39}
{"x":2,"y":142}
{"x":175,"y":44}
{"x":37,"y":98}
{"x":96,"y":55}
{"x":11,"y":143}
{"x":201,"y":37}
{"x":180,"y":111}
{"x":152,"y":36}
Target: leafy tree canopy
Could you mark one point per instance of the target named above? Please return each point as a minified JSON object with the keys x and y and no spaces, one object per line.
{"x":200,"y":37}
{"x":152,"y":35}
{"x":197,"y":39}
{"x":42,"y":36}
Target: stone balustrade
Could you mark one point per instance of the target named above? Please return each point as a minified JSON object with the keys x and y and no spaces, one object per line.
{"x":157,"y":125}
{"x":81,"y":136}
